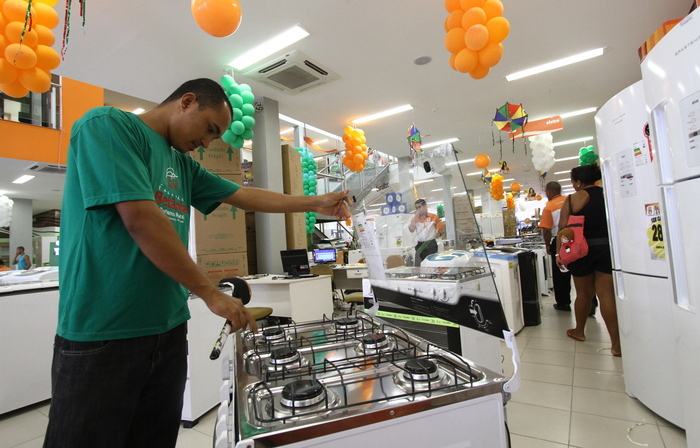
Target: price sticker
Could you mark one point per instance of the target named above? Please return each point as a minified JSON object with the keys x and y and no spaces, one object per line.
{"x":655,"y":232}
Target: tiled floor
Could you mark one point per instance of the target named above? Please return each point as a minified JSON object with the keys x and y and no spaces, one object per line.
{"x":572,"y":395}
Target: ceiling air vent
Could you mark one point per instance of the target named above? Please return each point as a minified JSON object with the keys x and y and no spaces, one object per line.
{"x":292,"y":73}
{"x":49,"y":168}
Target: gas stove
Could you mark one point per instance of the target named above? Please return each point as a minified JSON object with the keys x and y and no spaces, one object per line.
{"x":341,"y":380}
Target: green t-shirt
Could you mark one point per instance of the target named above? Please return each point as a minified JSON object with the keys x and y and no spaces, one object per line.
{"x":108,"y":288}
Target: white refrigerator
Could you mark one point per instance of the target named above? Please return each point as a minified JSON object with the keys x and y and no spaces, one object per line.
{"x":671,"y":76}
{"x":641,"y":273}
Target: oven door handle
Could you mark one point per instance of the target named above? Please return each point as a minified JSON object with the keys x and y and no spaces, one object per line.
{"x":513,"y":384}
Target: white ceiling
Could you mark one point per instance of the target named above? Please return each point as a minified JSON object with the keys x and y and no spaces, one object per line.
{"x":145,"y":49}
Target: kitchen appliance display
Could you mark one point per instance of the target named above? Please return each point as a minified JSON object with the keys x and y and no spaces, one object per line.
{"x":351,"y":380}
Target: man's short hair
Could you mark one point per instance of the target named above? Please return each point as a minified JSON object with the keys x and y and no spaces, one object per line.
{"x":554,"y":187}
{"x":209,"y":93}
{"x":420,"y":201}
{"x":2,"y":263}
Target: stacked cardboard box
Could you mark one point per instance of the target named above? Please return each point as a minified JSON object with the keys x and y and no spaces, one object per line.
{"x":466,"y":228}
{"x":220,"y":237}
{"x":252,"y":248}
{"x":510,"y":226}
{"x":292,"y":182}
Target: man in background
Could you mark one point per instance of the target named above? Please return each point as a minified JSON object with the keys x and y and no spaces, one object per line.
{"x":427,"y":227}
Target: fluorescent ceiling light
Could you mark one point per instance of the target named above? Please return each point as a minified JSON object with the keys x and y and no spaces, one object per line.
{"x":461,"y":161}
{"x":287,"y":131}
{"x":556,"y":64}
{"x":441,"y":142}
{"x":562,"y":172}
{"x":317,"y":142}
{"x":139,"y":110}
{"x":475,"y":173}
{"x":566,"y":158}
{"x":507,"y":180}
{"x":422,"y":181}
{"x":270,"y":46}
{"x":439,"y":189}
{"x":578,"y":112}
{"x":3,"y":192}
{"x":563,"y":180}
{"x":576,"y":140}
{"x":386,"y":113}
{"x":308,"y":127}
{"x":434,"y":202}
{"x":23,"y":179}
{"x":460,"y":194}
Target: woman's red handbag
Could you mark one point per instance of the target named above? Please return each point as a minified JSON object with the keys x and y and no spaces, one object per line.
{"x":576,"y":247}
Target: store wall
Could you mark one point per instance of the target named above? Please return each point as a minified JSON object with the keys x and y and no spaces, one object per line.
{"x":27,"y":142}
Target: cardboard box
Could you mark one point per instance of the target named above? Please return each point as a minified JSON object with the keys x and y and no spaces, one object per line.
{"x":223,"y":230}
{"x":462,"y":204}
{"x":219,"y":158}
{"x":247,"y":172}
{"x":218,"y":266}
{"x":656,"y":37}
{"x":292,"y":183}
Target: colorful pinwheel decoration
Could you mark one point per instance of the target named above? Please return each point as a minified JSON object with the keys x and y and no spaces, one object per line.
{"x":414,"y":140}
{"x":508,"y":118}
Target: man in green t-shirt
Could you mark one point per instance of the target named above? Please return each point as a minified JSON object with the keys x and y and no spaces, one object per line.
{"x":120,"y":365}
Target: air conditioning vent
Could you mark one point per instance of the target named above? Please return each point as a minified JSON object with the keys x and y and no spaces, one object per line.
{"x":48,"y":168}
{"x":292,"y":73}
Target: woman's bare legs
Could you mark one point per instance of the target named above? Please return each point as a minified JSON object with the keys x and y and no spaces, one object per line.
{"x":585,"y":290}
{"x":605,"y":290}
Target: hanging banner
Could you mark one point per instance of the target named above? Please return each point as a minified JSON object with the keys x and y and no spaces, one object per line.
{"x":543,"y":126}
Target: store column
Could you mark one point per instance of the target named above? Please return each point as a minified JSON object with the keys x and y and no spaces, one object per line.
{"x":21,"y":228}
{"x":270,"y":235}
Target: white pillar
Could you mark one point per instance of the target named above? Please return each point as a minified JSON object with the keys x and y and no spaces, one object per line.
{"x":21,"y":228}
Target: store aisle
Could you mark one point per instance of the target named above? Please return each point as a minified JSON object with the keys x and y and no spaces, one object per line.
{"x":572,"y":395}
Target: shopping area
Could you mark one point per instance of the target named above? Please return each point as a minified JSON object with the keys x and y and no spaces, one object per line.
{"x":392,"y":344}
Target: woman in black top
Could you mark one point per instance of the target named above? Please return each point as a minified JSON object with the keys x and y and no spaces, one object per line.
{"x":592,"y":273}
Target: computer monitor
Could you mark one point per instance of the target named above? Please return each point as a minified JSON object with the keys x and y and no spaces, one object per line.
{"x":295,"y":262}
{"x":324,"y":255}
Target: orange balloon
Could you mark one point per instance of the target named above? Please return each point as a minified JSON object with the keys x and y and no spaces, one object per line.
{"x":493,"y":8}
{"x":8,"y":72}
{"x":21,"y":56}
{"x":13,"y":32}
{"x":476,"y":37}
{"x":35,"y":80}
{"x":466,"y":60}
{"x":45,"y":15}
{"x":3,"y":20}
{"x":482,"y":161}
{"x":51,"y":3}
{"x":14,"y":89}
{"x":3,"y":43}
{"x":515,"y":186}
{"x":490,"y":55}
{"x":452,"y":61}
{"x":46,"y":36}
{"x":454,"y":20}
{"x":451,"y":5}
{"x":466,"y":4}
{"x":358,"y":159}
{"x":16,"y":10}
{"x":479,"y":72}
{"x":454,"y":40}
{"x":538,"y":197}
{"x":498,"y":28}
{"x":46,"y":57}
{"x":220,"y":18}
{"x":474,"y":16}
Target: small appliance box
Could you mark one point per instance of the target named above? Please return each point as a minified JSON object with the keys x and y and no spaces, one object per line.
{"x":219,"y":158}
{"x":224,"y":265}
{"x":292,"y":182}
{"x":223,"y":230}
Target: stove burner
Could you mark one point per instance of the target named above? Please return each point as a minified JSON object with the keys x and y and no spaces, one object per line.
{"x":420,"y":370}
{"x":302,"y":393}
{"x":347,"y":324}
{"x":375,"y":341}
{"x":284,"y":355}
{"x":272,"y":334}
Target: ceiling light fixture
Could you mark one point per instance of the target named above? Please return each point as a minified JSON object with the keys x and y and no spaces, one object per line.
{"x":139,"y":111}
{"x":441,"y":142}
{"x":562,"y":172}
{"x":578,"y":112}
{"x":439,"y":189}
{"x":287,"y":131}
{"x":386,"y":113}
{"x":461,"y":161}
{"x":566,"y":158}
{"x":422,"y":181}
{"x":270,"y":46}
{"x":576,"y":140}
{"x":556,"y":64}
{"x":23,"y":179}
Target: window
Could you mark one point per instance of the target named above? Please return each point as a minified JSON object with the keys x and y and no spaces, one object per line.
{"x":38,"y":109}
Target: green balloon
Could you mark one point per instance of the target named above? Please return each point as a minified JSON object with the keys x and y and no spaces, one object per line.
{"x":237,"y":114}
{"x":238,"y":143}
{"x":229,"y":137}
{"x":235,"y":88}
{"x":235,"y":100}
{"x":248,"y":109}
{"x":248,"y":97}
{"x":237,"y":127}
{"x":245,"y":88}
{"x":247,"y":134}
{"x":227,"y":81}
{"x":248,"y":121}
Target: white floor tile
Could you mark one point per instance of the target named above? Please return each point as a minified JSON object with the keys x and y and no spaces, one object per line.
{"x":551,"y":344}
{"x":189,"y":438}
{"x":207,"y":422}
{"x":592,"y":431}
{"x":673,"y":437}
{"x":538,"y":422}
{"x":599,"y":379}
{"x":610,"y":404}
{"x":518,"y":441}
{"x":22,"y":427}
{"x":548,"y":357}
{"x":549,"y":395}
{"x":600,"y":362}
{"x":547,"y":373}
{"x":34,"y":443}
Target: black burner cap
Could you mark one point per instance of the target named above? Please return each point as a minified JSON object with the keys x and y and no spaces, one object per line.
{"x":420,"y":366}
{"x":346,"y":321}
{"x":283,"y":353}
{"x":302,"y":390}
{"x":269,"y":332}
{"x":374,"y":338}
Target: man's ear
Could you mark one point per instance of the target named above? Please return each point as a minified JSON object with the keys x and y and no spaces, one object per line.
{"x":187,"y":100}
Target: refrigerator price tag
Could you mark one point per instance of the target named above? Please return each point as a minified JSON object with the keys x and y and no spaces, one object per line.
{"x":655,"y":232}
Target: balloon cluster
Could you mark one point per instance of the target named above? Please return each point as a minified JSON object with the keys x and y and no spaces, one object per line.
{"x":475,"y":30}
{"x":308,"y":170}
{"x":5,"y":211}
{"x":482,"y":161}
{"x":356,"y":155}
{"x":497,"y":187}
{"x":26,"y":56}
{"x":241,"y":98}
{"x":510,"y":202}
{"x":587,"y":155}
{"x":220,"y":18}
{"x":542,"y":151}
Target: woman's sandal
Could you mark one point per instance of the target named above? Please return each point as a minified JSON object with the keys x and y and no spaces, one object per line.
{"x":570,"y":333}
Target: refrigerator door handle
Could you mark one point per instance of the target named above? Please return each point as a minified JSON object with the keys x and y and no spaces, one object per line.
{"x":674,"y":248}
{"x":612,"y":222}
{"x":619,"y":284}
{"x":661,"y":148}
